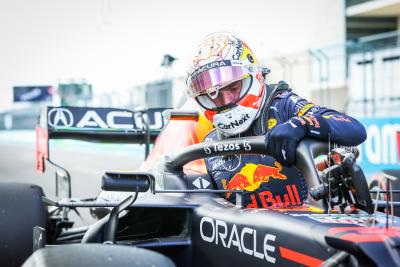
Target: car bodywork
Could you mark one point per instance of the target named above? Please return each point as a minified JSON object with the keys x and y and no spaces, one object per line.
{"x":181,"y":215}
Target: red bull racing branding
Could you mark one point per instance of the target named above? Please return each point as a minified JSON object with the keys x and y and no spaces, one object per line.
{"x":254,"y":178}
{"x":270,"y":199}
{"x":265,"y":183}
{"x":252,"y":175}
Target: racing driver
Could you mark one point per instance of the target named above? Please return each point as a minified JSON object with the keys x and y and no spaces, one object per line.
{"x":226,"y":81}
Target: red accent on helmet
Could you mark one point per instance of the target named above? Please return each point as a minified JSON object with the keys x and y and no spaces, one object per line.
{"x":253,"y":101}
{"x":209,"y":114}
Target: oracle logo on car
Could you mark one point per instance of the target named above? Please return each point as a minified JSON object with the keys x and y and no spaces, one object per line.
{"x":245,"y":239}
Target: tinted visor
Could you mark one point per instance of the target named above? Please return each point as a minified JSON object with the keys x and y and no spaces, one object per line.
{"x":216,"y":77}
{"x":226,"y":96}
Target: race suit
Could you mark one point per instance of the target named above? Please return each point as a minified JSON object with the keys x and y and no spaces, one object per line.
{"x":264,"y":181}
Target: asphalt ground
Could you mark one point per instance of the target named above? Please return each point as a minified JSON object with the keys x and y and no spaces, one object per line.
{"x":85,"y":161}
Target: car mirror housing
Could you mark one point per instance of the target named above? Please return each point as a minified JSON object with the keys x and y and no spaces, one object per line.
{"x":127,"y":181}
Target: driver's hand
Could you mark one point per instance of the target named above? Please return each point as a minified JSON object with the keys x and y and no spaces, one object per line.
{"x":282,"y":141}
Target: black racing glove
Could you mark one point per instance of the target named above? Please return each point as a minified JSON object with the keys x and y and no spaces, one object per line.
{"x":282,"y":141}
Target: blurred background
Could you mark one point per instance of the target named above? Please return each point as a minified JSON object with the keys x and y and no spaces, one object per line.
{"x":133,"y":54}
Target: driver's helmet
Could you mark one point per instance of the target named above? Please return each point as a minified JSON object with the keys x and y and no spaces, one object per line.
{"x":225,"y":79}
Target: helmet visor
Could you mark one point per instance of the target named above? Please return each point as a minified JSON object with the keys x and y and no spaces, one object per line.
{"x":210,"y":80}
{"x":226,"y":96}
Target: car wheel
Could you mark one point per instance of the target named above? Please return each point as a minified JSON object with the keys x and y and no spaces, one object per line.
{"x":21,"y":209}
{"x":96,"y":255}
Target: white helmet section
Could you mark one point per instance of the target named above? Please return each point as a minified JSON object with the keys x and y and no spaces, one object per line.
{"x":235,"y":121}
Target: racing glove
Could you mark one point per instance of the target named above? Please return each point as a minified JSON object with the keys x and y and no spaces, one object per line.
{"x":282,"y":141}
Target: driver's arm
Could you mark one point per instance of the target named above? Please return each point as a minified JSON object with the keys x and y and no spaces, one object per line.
{"x":301,"y":119}
{"x":343,"y":129}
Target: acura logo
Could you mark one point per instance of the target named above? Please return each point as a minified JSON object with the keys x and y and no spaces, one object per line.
{"x":60,"y":117}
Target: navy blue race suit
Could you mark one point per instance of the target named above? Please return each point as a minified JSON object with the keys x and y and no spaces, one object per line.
{"x":265,"y":181}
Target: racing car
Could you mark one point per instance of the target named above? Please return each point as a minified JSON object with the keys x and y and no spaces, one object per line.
{"x":167,"y":213}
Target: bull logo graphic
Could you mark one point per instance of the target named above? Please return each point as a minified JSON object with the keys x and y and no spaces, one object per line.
{"x":251,"y":176}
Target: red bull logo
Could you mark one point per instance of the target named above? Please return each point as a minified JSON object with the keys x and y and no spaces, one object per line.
{"x":270,"y":200}
{"x":251,"y":176}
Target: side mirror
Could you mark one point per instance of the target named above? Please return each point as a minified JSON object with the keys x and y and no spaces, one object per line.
{"x":128,"y":181}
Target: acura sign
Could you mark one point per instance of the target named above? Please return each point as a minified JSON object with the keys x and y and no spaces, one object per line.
{"x":102,"y":118}
{"x":60,"y":117}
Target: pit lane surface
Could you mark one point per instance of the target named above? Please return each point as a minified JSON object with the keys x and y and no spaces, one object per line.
{"x":85,"y":161}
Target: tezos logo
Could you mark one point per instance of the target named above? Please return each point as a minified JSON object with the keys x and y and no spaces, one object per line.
{"x":60,"y":117}
{"x":214,"y":148}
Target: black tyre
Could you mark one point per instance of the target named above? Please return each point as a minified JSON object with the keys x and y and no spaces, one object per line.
{"x":21,"y":209}
{"x":96,"y":255}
